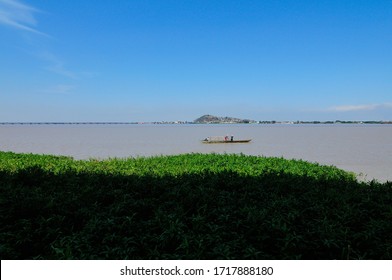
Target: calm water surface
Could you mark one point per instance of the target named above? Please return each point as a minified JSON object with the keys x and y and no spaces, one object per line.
{"x":365,"y":149}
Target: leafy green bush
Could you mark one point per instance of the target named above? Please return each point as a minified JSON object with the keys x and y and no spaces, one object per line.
{"x":193,"y":206}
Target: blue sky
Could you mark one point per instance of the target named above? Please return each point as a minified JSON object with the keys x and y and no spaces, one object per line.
{"x":153,"y":60}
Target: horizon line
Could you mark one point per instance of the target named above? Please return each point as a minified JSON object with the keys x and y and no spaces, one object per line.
{"x":193,"y":122}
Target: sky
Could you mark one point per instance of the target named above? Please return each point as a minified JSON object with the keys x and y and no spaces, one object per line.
{"x":168,"y":60}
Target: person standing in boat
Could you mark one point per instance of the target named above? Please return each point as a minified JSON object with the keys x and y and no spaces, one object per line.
{"x":232,"y":138}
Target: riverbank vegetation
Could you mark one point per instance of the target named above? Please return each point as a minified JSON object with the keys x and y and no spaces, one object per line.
{"x":193,"y":206}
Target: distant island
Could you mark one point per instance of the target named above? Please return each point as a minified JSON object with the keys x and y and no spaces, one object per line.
{"x":214,"y":119}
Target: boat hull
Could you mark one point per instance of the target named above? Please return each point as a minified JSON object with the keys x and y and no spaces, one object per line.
{"x":225,"y":142}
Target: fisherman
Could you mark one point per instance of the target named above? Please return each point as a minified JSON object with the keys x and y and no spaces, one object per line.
{"x":226,"y":138}
{"x":232,"y":138}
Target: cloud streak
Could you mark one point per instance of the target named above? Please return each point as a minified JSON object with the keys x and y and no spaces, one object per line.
{"x":57,"y":65}
{"x":19,"y":16}
{"x":355,"y":108}
{"x":59,"y":89}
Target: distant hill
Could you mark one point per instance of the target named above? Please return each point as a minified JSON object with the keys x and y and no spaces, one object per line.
{"x":215,"y":119}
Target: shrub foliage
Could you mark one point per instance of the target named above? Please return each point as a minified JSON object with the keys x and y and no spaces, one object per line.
{"x":193,"y":206}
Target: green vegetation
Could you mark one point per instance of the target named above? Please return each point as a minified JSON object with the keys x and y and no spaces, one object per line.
{"x":191,"y":206}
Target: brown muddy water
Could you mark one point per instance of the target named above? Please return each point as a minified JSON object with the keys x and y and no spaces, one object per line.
{"x":363,"y":149}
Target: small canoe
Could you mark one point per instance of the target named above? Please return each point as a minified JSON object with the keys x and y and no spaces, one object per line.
{"x":225,"y":142}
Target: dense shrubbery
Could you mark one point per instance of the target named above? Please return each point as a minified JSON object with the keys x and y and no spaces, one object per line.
{"x":191,"y":206}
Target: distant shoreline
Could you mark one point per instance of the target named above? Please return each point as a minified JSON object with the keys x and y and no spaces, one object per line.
{"x":186,"y":122}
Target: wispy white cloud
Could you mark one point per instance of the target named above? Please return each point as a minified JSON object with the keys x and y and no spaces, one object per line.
{"x":17,"y":15}
{"x":56,"y":65}
{"x":58,"y":89}
{"x":349,"y":108}
{"x":20,"y":16}
{"x":365,"y":107}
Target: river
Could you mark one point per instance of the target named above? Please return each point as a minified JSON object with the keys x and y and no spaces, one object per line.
{"x":363,"y":149}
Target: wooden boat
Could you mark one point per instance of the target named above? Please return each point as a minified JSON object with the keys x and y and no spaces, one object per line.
{"x":220,"y":141}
